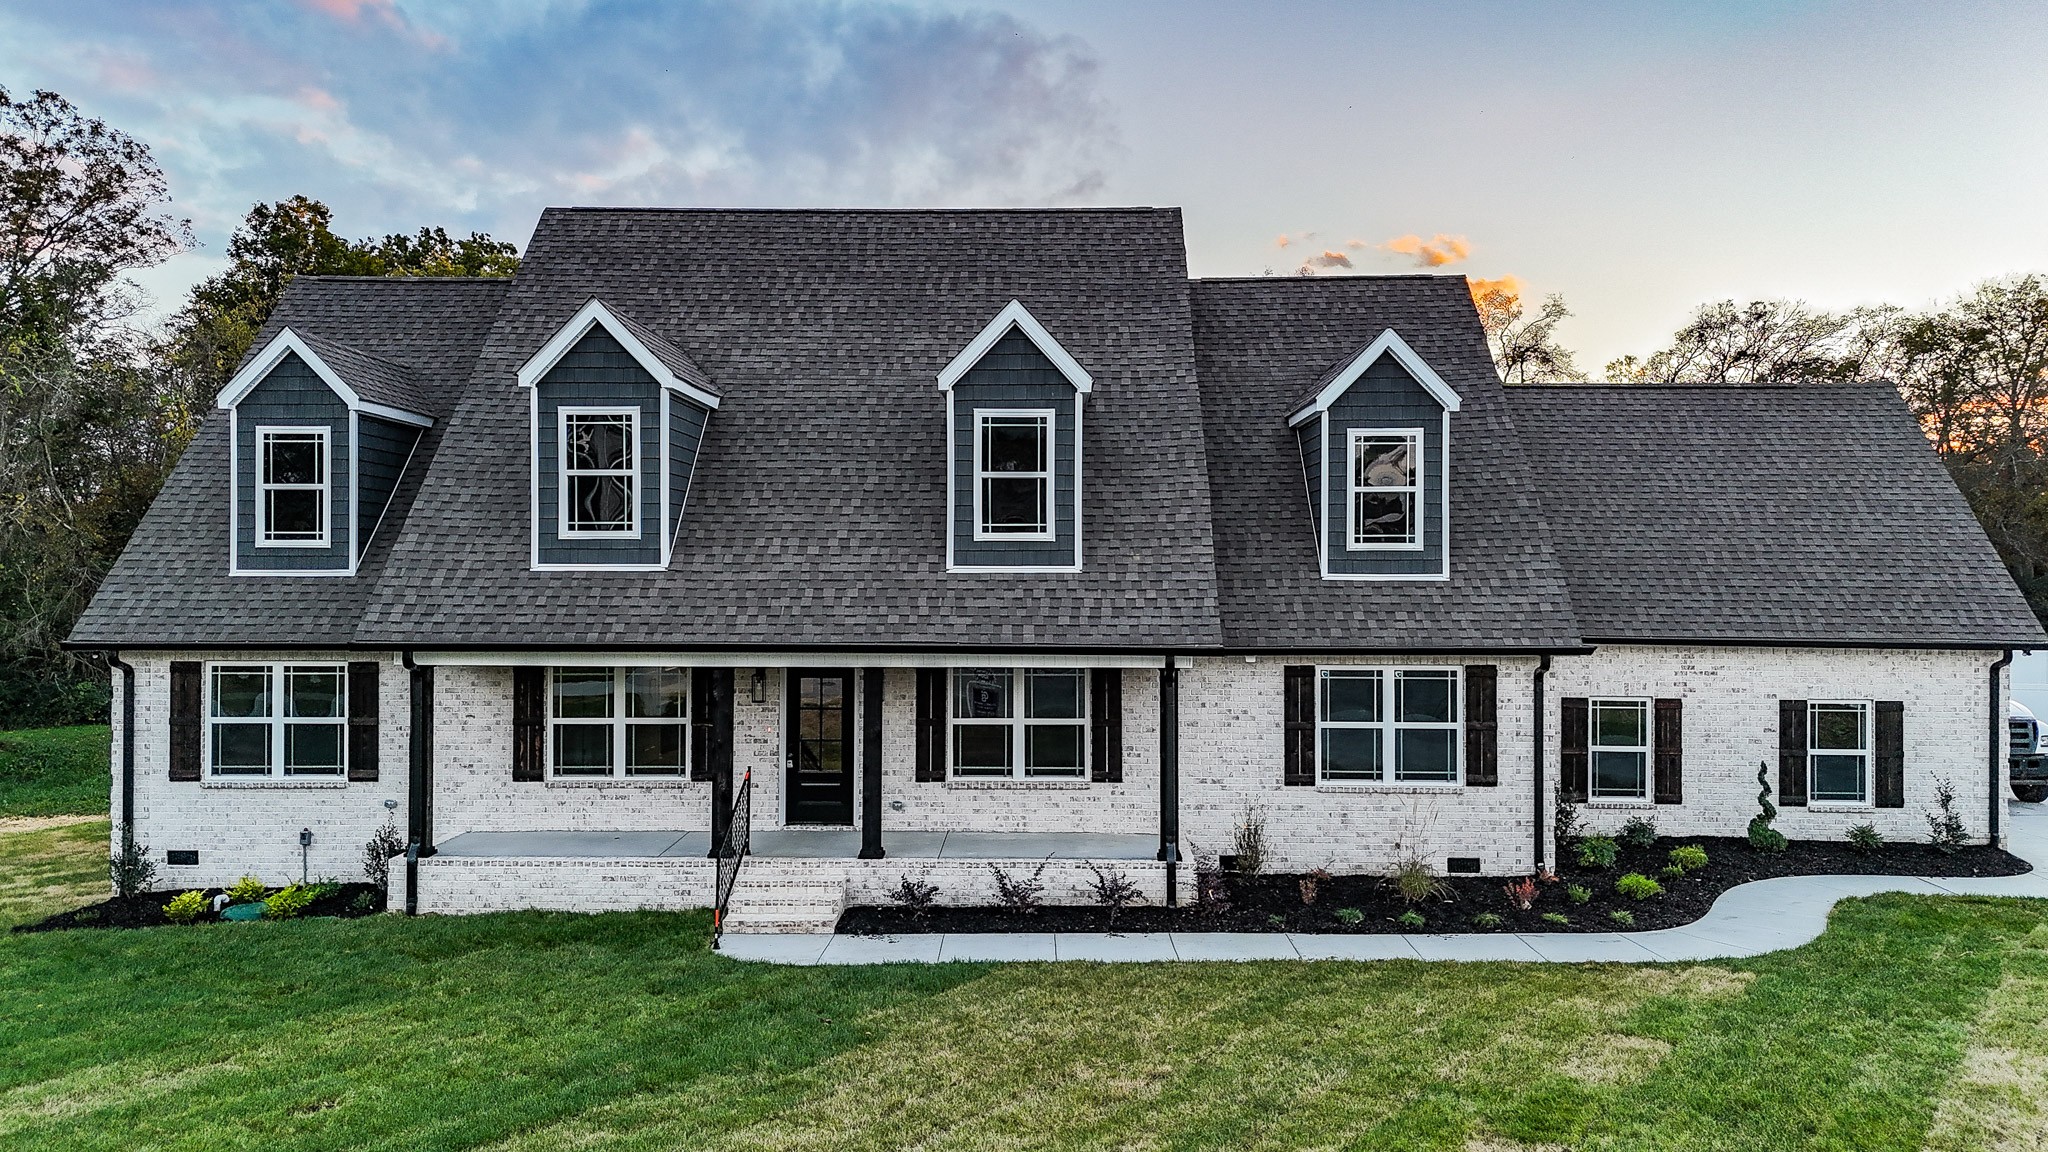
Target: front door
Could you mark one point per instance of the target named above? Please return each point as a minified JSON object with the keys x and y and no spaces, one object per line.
{"x":819,"y":743}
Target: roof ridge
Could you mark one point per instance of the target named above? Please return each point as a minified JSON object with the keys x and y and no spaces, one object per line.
{"x":871,"y":211}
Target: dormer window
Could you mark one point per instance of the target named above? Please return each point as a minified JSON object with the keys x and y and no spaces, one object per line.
{"x":598,"y":472}
{"x":1013,"y":474}
{"x":293,"y":484}
{"x":1386,"y":488}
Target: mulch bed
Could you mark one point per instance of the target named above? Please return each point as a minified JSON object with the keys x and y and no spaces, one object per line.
{"x":147,"y":911}
{"x":1274,"y":903}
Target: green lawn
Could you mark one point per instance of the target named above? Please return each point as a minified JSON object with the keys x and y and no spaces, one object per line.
{"x":51,"y":869}
{"x":545,"y":1031}
{"x":54,"y":771}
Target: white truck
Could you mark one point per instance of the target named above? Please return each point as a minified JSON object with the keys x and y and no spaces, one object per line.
{"x":2029,"y":772}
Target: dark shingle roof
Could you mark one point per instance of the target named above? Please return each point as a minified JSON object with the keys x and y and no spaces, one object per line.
{"x":672,"y":357}
{"x":1260,"y":344}
{"x":374,"y":378}
{"x":1814,"y":515}
{"x":817,"y":513}
{"x":170,"y":585}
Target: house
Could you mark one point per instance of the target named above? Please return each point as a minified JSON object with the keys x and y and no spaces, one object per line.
{"x":913,"y":541}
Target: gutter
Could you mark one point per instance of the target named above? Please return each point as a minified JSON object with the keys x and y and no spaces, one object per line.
{"x":1542,"y":668}
{"x":2000,"y":741}
{"x":127,"y":745}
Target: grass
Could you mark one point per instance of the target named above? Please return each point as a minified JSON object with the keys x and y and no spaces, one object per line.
{"x":55,"y":771}
{"x":51,"y":869}
{"x":542,"y":1031}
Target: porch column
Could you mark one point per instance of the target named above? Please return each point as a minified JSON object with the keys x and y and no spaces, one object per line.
{"x":419,"y":783}
{"x":718,"y":750}
{"x":1169,"y":771}
{"x":871,"y":764}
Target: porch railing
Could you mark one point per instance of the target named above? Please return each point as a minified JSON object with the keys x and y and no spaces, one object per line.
{"x":731,"y":850}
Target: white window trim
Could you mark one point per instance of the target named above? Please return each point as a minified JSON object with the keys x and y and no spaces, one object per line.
{"x":1388,"y":726}
{"x":326,"y":486}
{"x":621,"y":725}
{"x":1019,"y":725}
{"x":1868,"y":751}
{"x":1594,"y":747}
{"x":277,"y":721}
{"x":1050,"y":475}
{"x":1415,"y":490}
{"x":632,"y":471}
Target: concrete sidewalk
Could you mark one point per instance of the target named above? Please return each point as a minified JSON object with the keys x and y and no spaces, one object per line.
{"x":1747,"y":920}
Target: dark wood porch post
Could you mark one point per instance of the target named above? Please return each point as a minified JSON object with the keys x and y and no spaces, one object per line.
{"x":1169,"y":775}
{"x":871,"y":764}
{"x":718,"y":750}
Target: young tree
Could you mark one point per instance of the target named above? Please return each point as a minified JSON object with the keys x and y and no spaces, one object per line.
{"x":1525,"y":348}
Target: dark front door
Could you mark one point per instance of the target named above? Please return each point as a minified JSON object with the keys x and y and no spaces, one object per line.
{"x":819,"y":740}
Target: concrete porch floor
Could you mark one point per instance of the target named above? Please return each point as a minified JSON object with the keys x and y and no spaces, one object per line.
{"x":810,"y":843}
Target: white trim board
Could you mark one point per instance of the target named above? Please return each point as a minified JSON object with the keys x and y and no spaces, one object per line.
{"x":1389,"y":342}
{"x":595,"y":314}
{"x":274,"y":353}
{"x":1015,"y":314}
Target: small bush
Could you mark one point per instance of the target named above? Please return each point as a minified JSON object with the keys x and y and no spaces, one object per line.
{"x":1689,"y":858}
{"x":1623,"y":917}
{"x":1416,"y":883}
{"x":1522,"y":893}
{"x":1020,"y":894}
{"x":1486,"y":920}
{"x":1212,"y":894}
{"x":247,"y":890}
{"x":289,"y":901}
{"x":1671,"y":872}
{"x":1765,"y":838}
{"x":1350,"y":916}
{"x":1637,"y":886}
{"x":1638,"y":832}
{"x":914,"y":894}
{"x":1412,"y":919}
{"x":1276,"y":921}
{"x":1762,"y":836}
{"x":1577,"y":893}
{"x":131,"y":870}
{"x":1556,"y":918}
{"x":1311,"y":883}
{"x":364,"y":903}
{"x":1944,"y":826}
{"x":1565,"y":826}
{"x":1865,"y":838}
{"x":1598,"y":852}
{"x":1249,"y":841}
{"x":378,"y":850}
{"x":185,"y":907}
{"x":1113,"y":890}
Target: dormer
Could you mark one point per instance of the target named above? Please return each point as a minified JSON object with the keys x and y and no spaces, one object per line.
{"x":1374,"y":435}
{"x":319,"y":434}
{"x":1013,"y":450}
{"x":618,"y":413}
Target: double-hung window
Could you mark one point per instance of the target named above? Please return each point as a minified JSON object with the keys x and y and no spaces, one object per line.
{"x":292,"y":487}
{"x":1020,"y":722}
{"x":1013,"y":454}
{"x":1619,"y":748}
{"x":599,"y":472}
{"x":1385,"y":504}
{"x":1381,"y":724}
{"x":277,"y":720}
{"x":1838,"y":752}
{"x":619,"y":721}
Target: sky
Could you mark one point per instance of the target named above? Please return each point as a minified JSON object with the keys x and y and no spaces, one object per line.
{"x":1639,"y":159}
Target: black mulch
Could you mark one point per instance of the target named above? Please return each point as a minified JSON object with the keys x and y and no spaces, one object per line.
{"x":1276,"y":903}
{"x":147,"y":910}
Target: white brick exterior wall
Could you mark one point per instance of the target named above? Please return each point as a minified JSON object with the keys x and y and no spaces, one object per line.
{"x":1730,"y":725}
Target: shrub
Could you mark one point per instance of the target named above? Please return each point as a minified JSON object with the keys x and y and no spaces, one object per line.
{"x":1689,"y":858}
{"x":1577,"y":893}
{"x":364,"y":903}
{"x":1637,"y":886}
{"x":1412,"y":919}
{"x":1865,"y":838}
{"x":1020,"y":894}
{"x":1275,"y":921}
{"x":1945,"y":827}
{"x":131,"y":870}
{"x":289,"y":901}
{"x":1762,"y":836}
{"x":1416,"y":883}
{"x":1765,"y":838}
{"x":247,"y":890}
{"x":185,"y":907}
{"x":1638,"y":832}
{"x":1486,"y":920}
{"x":1350,"y":916}
{"x":1598,"y":852}
{"x":1522,"y":893}
{"x":1113,"y":890}
{"x":378,"y":850}
{"x":914,"y":894}
{"x":1565,"y":826}
{"x":1623,"y":917}
{"x":1310,"y":883}
{"x":1249,"y":841}
{"x":1671,"y":872}
{"x":1556,"y":918}
{"x":1211,"y":893}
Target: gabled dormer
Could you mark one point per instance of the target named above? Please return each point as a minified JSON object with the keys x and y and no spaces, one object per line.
{"x":319,"y":434}
{"x":1013,"y":450}
{"x":618,"y":414}
{"x":1374,"y":436}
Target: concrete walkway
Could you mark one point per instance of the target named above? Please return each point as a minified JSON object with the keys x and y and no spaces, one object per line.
{"x":1748,"y":920}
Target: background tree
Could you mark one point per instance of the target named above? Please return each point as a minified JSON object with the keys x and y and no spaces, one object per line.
{"x":1525,"y":348}
{"x":1727,"y":343}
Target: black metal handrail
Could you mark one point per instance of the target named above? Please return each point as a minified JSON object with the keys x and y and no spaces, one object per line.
{"x":731,"y":850}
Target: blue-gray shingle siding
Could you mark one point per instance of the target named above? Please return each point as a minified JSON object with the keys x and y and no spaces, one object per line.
{"x":1386,"y":396}
{"x":292,"y":395}
{"x":1014,"y":374}
{"x":382,"y":449}
{"x":685,"y":435}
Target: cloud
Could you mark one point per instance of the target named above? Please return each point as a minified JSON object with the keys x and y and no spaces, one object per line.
{"x":1331,"y":259}
{"x":479,"y":115}
{"x":1287,"y":238}
{"x":1434,"y":252}
{"x":1481,"y":287}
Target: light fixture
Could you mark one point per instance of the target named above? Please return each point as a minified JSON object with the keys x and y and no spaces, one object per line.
{"x":760,"y":686}
{"x":305,"y":846}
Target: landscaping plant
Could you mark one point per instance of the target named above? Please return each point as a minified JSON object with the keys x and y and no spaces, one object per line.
{"x":1522,"y":893}
{"x":1689,"y":857}
{"x":185,"y":907}
{"x":1416,"y":883}
{"x":1412,"y":919}
{"x":1637,"y":886}
{"x":1945,"y":827}
{"x":1113,"y":890}
{"x":1564,"y":824}
{"x":1556,"y":918}
{"x":1671,"y":872}
{"x":914,"y":894}
{"x":1577,"y":893}
{"x":378,"y":850}
{"x":1486,"y":920}
{"x":1623,"y":917}
{"x":1020,"y":894}
{"x":1598,"y":852}
{"x":1350,"y":916}
{"x":290,"y":900}
{"x":1249,"y":841}
{"x":1311,"y":882}
{"x":1638,"y":832}
{"x":1211,"y":893}
{"x":1762,"y":836}
{"x":131,"y":869}
{"x":1865,"y":838}
{"x":247,"y":890}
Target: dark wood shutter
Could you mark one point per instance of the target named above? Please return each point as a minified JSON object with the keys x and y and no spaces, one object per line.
{"x":1300,"y":767}
{"x":700,"y":726}
{"x":931,"y":725}
{"x":1890,"y":748}
{"x":1482,"y":725}
{"x":529,"y":723}
{"x":1106,"y":711}
{"x":1574,"y":767}
{"x":1668,"y":737}
{"x":1791,"y":753}
{"x":362,"y":719}
{"x":188,"y":718}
